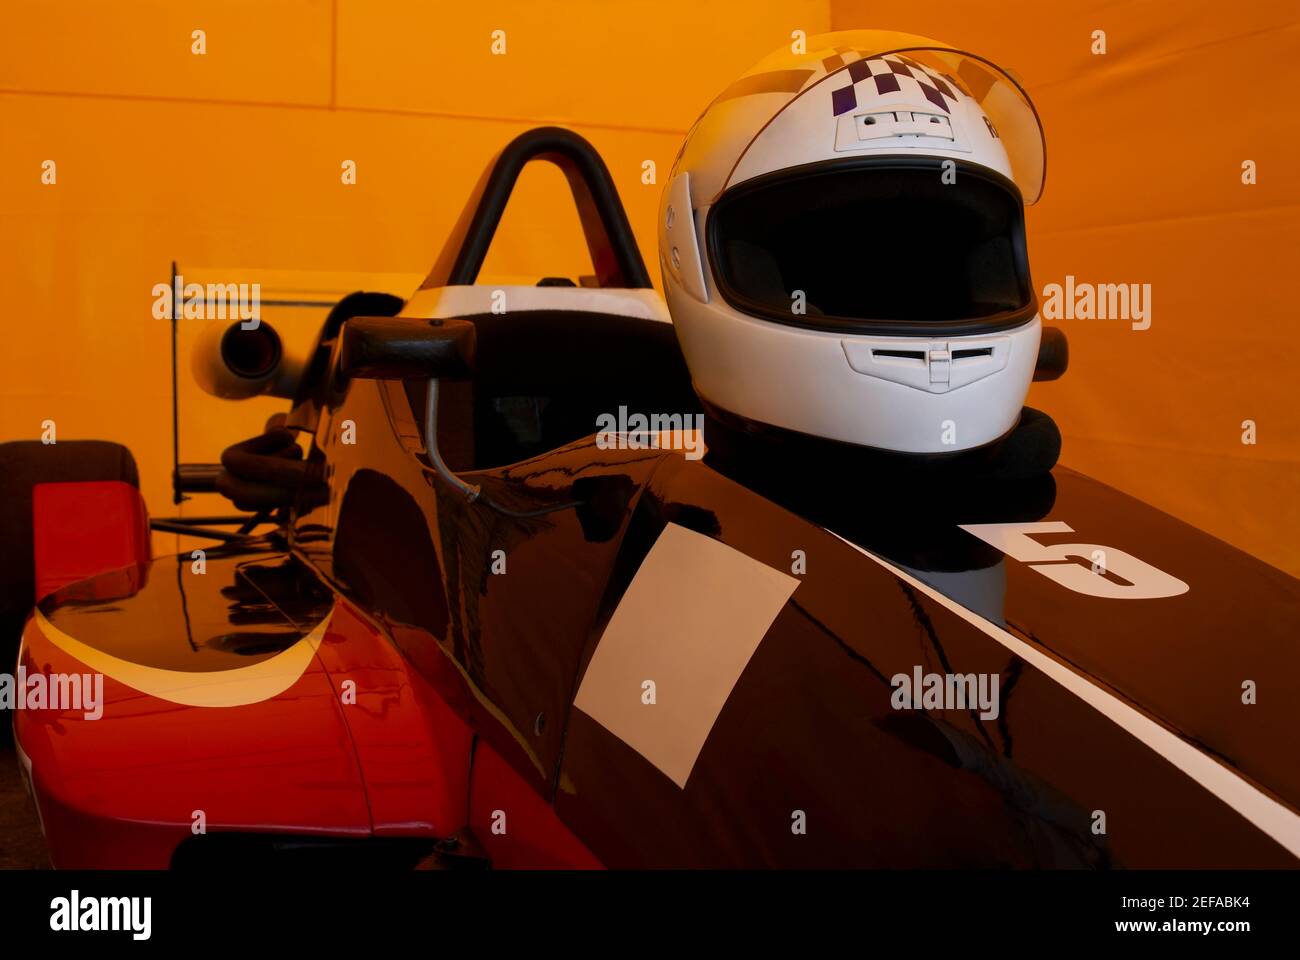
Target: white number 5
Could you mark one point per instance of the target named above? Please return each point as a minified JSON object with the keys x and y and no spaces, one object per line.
{"x":1057,"y":562}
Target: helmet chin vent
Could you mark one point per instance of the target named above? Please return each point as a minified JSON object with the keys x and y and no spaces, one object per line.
{"x":966,"y":354}
{"x":938,"y":368}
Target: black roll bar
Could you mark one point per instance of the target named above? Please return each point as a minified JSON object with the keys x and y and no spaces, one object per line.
{"x":614,"y":253}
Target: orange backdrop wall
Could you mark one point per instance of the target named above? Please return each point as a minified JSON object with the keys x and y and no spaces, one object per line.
{"x":228,"y":162}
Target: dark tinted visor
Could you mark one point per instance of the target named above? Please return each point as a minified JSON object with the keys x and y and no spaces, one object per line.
{"x":881,"y":244}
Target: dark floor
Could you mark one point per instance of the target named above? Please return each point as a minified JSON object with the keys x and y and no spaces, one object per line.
{"x":21,"y":845}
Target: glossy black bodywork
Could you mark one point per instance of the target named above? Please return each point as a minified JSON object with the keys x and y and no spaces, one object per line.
{"x":809,"y":725}
{"x":251,"y":602}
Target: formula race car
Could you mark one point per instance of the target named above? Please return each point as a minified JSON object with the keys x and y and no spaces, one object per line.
{"x":495,"y":598}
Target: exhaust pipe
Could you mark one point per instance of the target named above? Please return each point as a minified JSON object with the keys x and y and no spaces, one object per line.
{"x":234,"y":364}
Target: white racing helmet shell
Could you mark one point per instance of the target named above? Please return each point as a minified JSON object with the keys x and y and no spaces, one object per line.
{"x":842,"y":244}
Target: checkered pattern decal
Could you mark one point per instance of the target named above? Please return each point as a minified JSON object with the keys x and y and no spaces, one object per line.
{"x":887,"y":75}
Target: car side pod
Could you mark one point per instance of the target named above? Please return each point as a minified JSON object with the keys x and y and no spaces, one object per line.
{"x":406,"y":348}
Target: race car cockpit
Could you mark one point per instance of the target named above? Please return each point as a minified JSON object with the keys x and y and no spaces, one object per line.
{"x":549,"y":359}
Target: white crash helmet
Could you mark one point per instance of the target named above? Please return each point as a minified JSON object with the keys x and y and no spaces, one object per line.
{"x":843,"y":248}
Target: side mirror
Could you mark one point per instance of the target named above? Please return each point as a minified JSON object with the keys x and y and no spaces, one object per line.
{"x":405,"y":348}
{"x":1053,"y":354}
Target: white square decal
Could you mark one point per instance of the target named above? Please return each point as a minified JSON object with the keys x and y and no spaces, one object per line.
{"x":677,"y":643}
